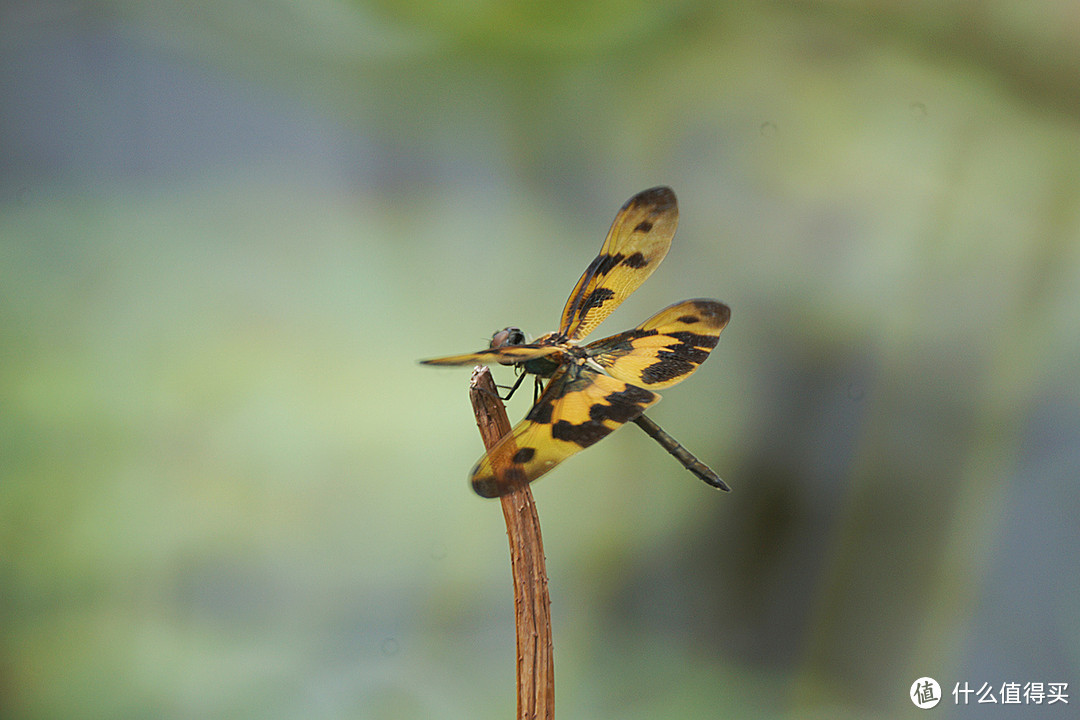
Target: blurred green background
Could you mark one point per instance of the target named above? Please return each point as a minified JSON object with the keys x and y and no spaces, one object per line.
{"x":228,"y":231}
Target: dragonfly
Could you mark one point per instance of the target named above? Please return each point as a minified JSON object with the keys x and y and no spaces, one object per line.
{"x":592,"y":390}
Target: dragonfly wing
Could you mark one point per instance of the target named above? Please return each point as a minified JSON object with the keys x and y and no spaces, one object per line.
{"x":578,"y":408}
{"x":507,"y":355}
{"x":666,"y":348}
{"x":638,"y":240}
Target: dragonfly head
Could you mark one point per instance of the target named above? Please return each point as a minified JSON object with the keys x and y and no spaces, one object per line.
{"x":507,"y":336}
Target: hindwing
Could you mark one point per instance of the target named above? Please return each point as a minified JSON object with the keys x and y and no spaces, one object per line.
{"x":666,"y":348}
{"x":578,"y":408}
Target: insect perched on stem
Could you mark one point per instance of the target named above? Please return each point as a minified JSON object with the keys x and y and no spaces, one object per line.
{"x":593,"y":389}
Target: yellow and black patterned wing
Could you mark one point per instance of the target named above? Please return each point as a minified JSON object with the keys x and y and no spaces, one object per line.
{"x":578,"y":408}
{"x":636,"y":243}
{"x":507,"y":355}
{"x":666,"y":348}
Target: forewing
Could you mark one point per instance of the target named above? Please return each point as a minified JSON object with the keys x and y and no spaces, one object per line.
{"x":636,"y":243}
{"x":666,"y":348}
{"x":578,"y":408}
{"x":508,"y":355}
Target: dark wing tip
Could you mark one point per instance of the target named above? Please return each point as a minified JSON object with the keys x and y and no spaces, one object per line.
{"x":443,"y":361}
{"x":659,"y":198}
{"x":488,"y":488}
{"x":717,"y":312}
{"x":722,"y":312}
